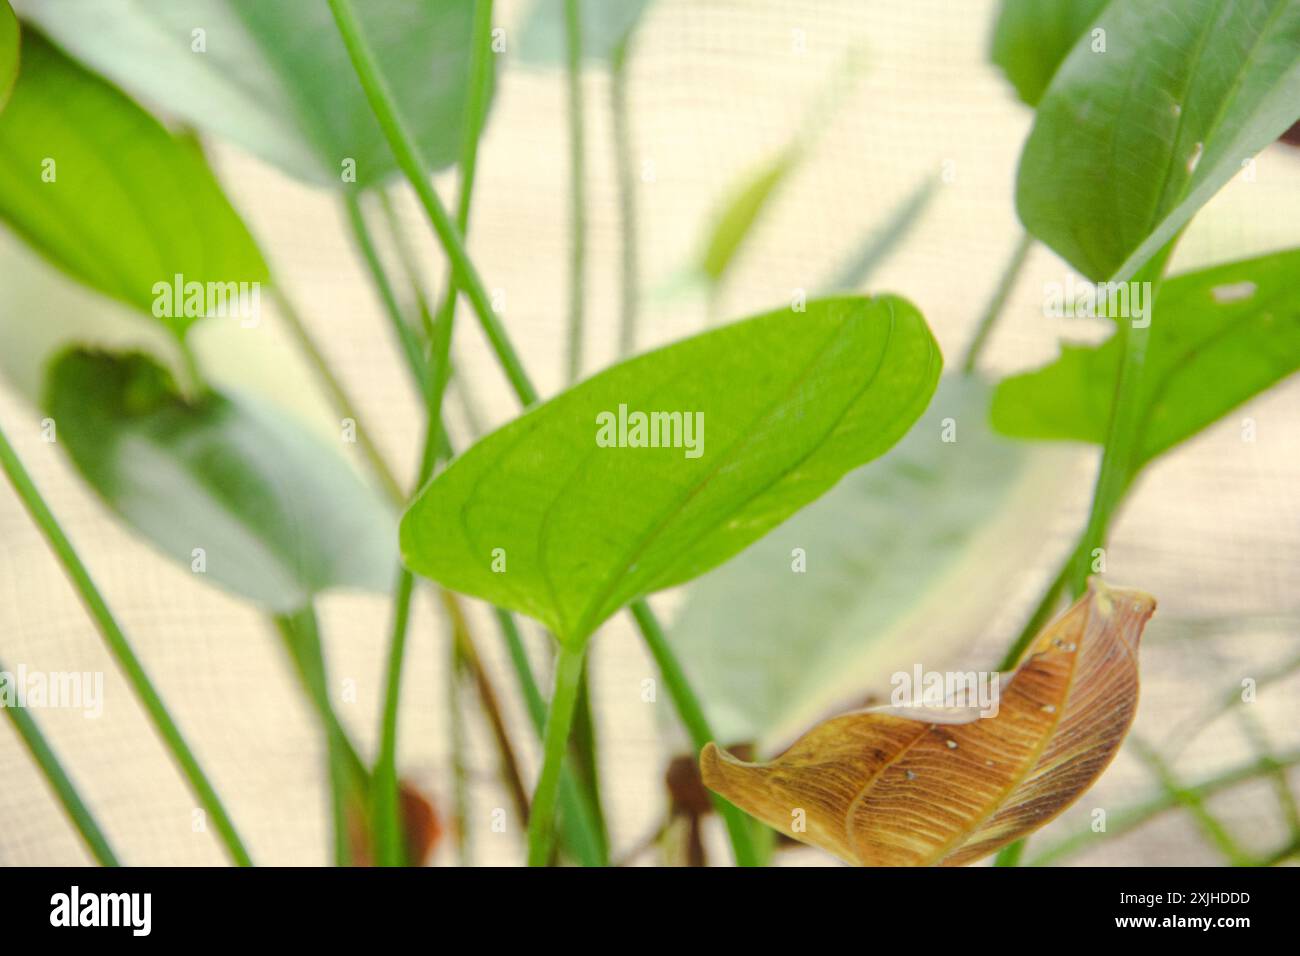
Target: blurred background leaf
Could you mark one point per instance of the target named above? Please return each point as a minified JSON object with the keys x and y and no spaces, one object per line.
{"x":280,"y":516}
{"x":1032,"y":37}
{"x":275,"y":77}
{"x":102,"y":190}
{"x":606,"y":27}
{"x":904,"y":557}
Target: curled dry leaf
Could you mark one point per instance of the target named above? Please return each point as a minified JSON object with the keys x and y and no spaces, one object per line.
{"x":880,"y":789}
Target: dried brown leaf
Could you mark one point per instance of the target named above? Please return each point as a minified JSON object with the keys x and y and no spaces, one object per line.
{"x":878,"y":788}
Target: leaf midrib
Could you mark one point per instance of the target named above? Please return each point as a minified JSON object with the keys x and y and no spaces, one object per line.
{"x":585,"y":623}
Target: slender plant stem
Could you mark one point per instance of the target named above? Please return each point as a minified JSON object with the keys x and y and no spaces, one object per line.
{"x":1126,"y":820}
{"x":697,"y":725}
{"x":998,"y":302}
{"x":349,"y":780}
{"x":338,"y":396}
{"x":459,"y":763}
{"x":568,"y":674}
{"x":64,"y":789}
{"x":468,"y":655}
{"x":411,"y":161}
{"x":1192,"y":802}
{"x":578,"y":817}
{"x":413,"y":164}
{"x":1010,"y":854}
{"x":1118,"y":456}
{"x":1118,"y":460}
{"x":577,"y":187}
{"x":120,"y":647}
{"x":1286,"y":798}
{"x":625,"y":169}
{"x":434,"y":379}
{"x":406,"y":337}
{"x":1039,"y":618}
{"x":407,"y":258}
{"x":387,"y":808}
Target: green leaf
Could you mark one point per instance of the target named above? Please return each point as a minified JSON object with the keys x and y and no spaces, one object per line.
{"x":1219,"y":337}
{"x":1032,"y":37}
{"x":279,"y":515}
{"x":1128,"y":144}
{"x":275,"y":77}
{"x":899,"y":559}
{"x":8,"y":51}
{"x":606,"y":27}
{"x":789,"y":402}
{"x":103,"y":191}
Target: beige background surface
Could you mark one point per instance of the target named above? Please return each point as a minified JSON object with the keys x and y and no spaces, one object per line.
{"x":1213,"y":531}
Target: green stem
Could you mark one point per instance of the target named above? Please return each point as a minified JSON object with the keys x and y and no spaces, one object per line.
{"x":459,"y":764}
{"x":577,"y":187}
{"x":121,"y":650}
{"x":434,"y":380}
{"x":387,"y":808}
{"x":406,"y":337}
{"x":578,"y":816}
{"x":697,"y":725}
{"x":998,"y":302}
{"x":411,"y":161}
{"x":1125,"y":820}
{"x":1039,"y":618}
{"x":1192,"y":802}
{"x":1118,"y":464}
{"x":338,"y":396}
{"x":1118,"y":460}
{"x":1010,"y":854}
{"x":413,"y":164}
{"x":568,"y":675}
{"x":349,"y":780}
{"x":48,"y":763}
{"x":406,"y":257}
{"x":626,"y":172}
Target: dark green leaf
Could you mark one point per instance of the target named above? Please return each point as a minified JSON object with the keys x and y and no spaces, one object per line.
{"x":1129,"y":143}
{"x":897,"y":560}
{"x":275,"y":77}
{"x":1219,"y":337}
{"x":279,"y":515}
{"x":789,"y":403}
{"x":104,"y":192}
{"x":1032,"y":37}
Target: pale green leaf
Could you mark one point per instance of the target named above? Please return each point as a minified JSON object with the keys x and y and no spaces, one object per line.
{"x":789,"y":402}
{"x":103,"y":191}
{"x":1219,"y":337}
{"x":1032,"y":37}
{"x":278,"y":514}
{"x":735,"y":218}
{"x":897,"y":562}
{"x":1129,"y":143}
{"x":275,"y":77}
